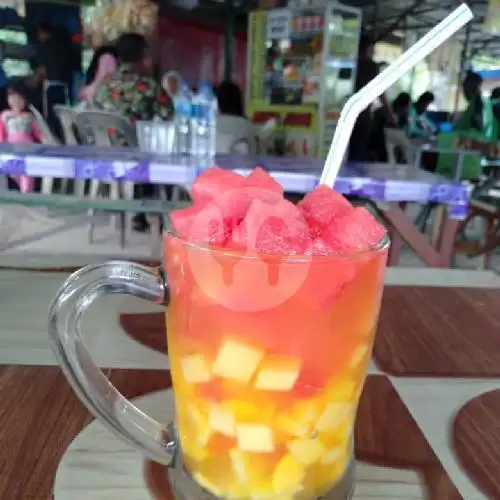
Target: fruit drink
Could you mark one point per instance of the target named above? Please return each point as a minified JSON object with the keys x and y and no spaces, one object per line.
{"x":271,"y":322}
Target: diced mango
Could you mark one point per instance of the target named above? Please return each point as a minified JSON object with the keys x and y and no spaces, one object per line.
{"x":333,"y":416}
{"x":202,"y":429}
{"x":340,"y":436}
{"x":320,"y":479}
{"x":333,"y":455}
{"x":308,"y":411}
{"x":255,"y":438}
{"x":207,"y":484}
{"x":237,"y":361}
{"x":254,"y":471}
{"x":221,"y":420}
{"x":192,"y":451}
{"x":245,"y":411}
{"x":195,"y":369}
{"x":341,"y":390}
{"x":239,"y":465}
{"x":278,"y":373}
{"x":288,"y":475}
{"x":359,"y":355}
{"x":291,"y":426}
{"x":307,"y":451}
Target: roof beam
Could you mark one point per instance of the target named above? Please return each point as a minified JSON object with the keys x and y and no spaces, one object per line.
{"x":399,"y":20}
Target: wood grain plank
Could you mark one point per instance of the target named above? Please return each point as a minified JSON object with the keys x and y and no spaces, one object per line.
{"x":447,"y":332}
{"x":39,"y":417}
{"x":476,"y":439}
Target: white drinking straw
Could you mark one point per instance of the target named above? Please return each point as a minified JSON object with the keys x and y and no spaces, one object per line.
{"x":362,"y":99}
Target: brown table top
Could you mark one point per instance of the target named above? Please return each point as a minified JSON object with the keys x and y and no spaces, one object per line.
{"x":402,"y":426}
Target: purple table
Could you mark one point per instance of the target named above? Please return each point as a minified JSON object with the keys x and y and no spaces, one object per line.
{"x":390,"y":186}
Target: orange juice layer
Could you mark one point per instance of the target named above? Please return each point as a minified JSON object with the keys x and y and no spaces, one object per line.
{"x":266,"y":400}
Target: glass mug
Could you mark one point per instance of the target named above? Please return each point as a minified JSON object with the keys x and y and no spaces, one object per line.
{"x":268,"y":356}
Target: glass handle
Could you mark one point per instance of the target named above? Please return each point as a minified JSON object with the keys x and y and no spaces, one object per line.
{"x":157,"y":441}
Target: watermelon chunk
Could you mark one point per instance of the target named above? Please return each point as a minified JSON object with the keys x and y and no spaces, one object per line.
{"x":354,"y":231}
{"x":276,"y":228}
{"x":320,"y":247}
{"x":233,"y":193}
{"x":258,"y":177}
{"x":321,"y":206}
{"x":203,"y":224}
{"x":213,"y":182}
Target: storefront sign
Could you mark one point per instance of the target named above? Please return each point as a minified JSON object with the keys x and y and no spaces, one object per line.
{"x":278,"y":24}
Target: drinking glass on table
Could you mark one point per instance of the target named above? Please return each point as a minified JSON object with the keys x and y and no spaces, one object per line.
{"x":266,"y":375}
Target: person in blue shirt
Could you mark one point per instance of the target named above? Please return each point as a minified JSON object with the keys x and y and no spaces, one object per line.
{"x":419,"y":125}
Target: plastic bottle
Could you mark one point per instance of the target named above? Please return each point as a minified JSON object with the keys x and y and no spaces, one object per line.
{"x":183,"y":105}
{"x":204,"y":123}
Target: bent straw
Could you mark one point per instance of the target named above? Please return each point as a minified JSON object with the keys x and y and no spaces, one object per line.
{"x":362,"y":99}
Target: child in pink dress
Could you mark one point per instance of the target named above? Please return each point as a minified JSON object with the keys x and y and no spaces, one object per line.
{"x":18,"y":126}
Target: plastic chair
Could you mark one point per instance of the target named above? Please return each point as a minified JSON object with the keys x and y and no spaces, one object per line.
{"x":395,"y":138}
{"x":46,"y":86}
{"x":50,"y":139}
{"x":95,"y":128}
{"x":66,"y":116}
{"x":232,"y":130}
{"x":471,"y":168}
{"x":264,"y":135}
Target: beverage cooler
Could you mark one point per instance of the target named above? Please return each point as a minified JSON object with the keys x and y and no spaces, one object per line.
{"x":301,"y":69}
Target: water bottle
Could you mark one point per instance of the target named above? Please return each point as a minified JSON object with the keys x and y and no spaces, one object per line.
{"x":183,"y":111}
{"x":204,"y":124}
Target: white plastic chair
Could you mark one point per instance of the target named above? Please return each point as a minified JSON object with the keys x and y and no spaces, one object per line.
{"x":264,"y":135}
{"x":48,"y":138}
{"x":395,"y":138}
{"x":232,"y":132}
{"x":46,"y":86}
{"x":93,"y":128}
{"x":67,"y":115}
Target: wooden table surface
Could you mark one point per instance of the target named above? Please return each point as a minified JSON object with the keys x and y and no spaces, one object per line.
{"x":402,"y":426}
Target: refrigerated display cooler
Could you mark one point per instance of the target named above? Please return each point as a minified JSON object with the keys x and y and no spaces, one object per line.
{"x":301,"y":70}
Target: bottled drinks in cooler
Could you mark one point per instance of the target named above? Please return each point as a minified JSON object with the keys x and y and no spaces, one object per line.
{"x":183,"y":112}
{"x":204,"y":123}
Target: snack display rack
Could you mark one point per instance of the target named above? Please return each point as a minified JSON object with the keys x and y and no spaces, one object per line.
{"x":301,"y":69}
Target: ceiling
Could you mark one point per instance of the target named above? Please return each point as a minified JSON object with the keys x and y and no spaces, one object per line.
{"x":382,"y":18}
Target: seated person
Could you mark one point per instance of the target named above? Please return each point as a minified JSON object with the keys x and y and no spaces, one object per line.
{"x":133,"y":93}
{"x":231,"y":121}
{"x":104,"y":63}
{"x":495,"y":108}
{"x":401,"y":110}
{"x":477,"y":117}
{"x":19,"y":126}
{"x":418,"y":124}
